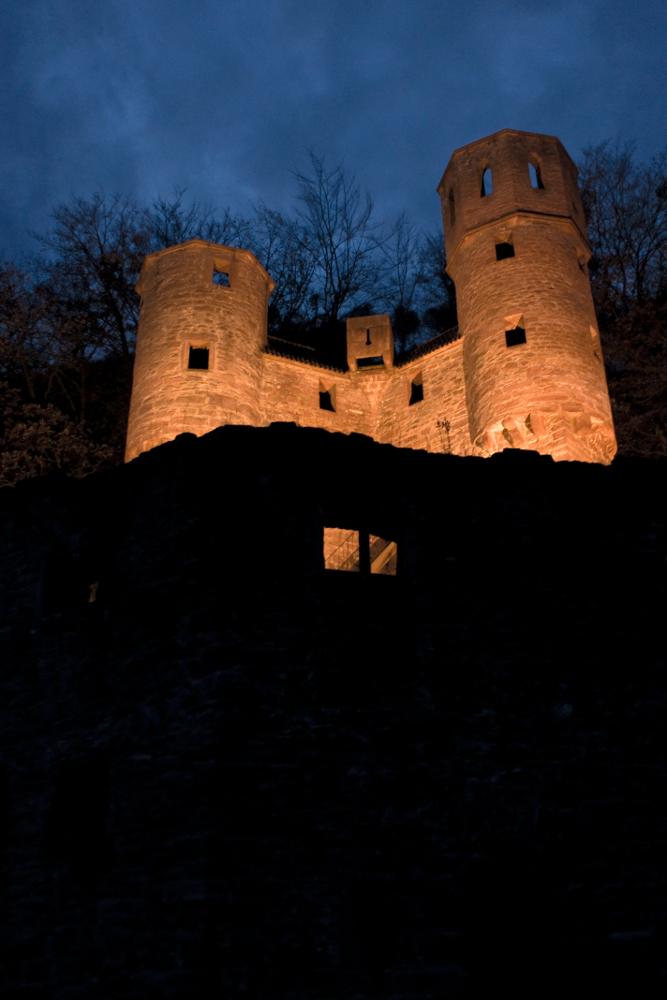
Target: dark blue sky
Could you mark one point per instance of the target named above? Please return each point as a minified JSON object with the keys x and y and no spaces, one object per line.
{"x":224,"y":99}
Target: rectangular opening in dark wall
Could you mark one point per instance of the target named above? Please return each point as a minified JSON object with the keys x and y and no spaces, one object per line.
{"x":198,"y":358}
{"x":504,"y":250}
{"x":359,"y":552}
{"x":368,"y":362}
{"x":515,"y":336}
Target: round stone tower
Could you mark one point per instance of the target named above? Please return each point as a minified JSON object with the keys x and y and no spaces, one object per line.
{"x":517,"y":251}
{"x":201,"y":331}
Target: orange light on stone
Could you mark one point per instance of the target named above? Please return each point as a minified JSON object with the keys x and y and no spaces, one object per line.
{"x":526,"y":370}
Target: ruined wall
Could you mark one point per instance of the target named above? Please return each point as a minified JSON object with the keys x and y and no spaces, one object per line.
{"x":236,"y":775}
{"x":548,"y":393}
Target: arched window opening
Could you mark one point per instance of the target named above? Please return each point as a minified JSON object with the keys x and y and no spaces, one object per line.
{"x":487,"y":183}
{"x":452,"y":208}
{"x":535,"y":175}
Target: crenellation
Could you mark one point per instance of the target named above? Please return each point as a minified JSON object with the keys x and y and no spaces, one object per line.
{"x":525,"y":372}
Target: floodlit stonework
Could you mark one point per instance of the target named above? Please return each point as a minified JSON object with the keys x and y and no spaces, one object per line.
{"x":524,"y":370}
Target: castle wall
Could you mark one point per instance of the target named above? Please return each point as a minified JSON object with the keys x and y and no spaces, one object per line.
{"x":480,"y":395}
{"x":423,"y":425}
{"x":291,"y":392}
{"x":183,"y":308}
{"x":548,"y":393}
{"x":240,"y":775}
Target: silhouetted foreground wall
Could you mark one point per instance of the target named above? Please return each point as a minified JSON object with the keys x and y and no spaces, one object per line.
{"x":235,"y":775}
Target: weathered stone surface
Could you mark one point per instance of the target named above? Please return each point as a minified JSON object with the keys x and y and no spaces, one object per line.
{"x":480,"y":396}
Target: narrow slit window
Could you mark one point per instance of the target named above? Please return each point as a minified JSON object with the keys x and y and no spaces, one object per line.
{"x":504,"y":250}
{"x":487,"y":183}
{"x":221,"y":278}
{"x":198,"y":358}
{"x":452,"y":208}
{"x":515,"y":336}
{"x":535,"y":176}
{"x":417,"y":389}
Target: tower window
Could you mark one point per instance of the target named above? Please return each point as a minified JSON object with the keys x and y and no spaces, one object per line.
{"x":325,"y":401}
{"x":487,"y":183}
{"x":504,"y":250}
{"x":221,"y":278}
{"x":535,"y":175}
{"x":452,"y":208}
{"x":369,"y":362}
{"x":515,"y":336}
{"x":198,"y":358}
{"x":417,"y":389}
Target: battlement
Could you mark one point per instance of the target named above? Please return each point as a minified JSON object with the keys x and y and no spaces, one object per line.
{"x":524,"y":371}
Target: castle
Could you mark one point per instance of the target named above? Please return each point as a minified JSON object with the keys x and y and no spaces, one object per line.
{"x":226,"y":772}
{"x":525,"y":371}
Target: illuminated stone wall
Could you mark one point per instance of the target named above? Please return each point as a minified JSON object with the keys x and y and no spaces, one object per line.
{"x":181,"y":308}
{"x":549,"y":393}
{"x":476,"y":395}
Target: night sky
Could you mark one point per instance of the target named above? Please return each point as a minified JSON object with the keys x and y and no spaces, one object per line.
{"x":225,"y":99}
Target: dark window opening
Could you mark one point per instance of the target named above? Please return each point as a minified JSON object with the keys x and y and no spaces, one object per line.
{"x":368,"y":336}
{"x":198,"y":358}
{"x":71,"y":580}
{"x":487,"y":183}
{"x":325,"y":402}
{"x":535,"y":176}
{"x":221,"y":278}
{"x":452,"y":208}
{"x":368,"y":362}
{"x":504,"y":250}
{"x":75,"y":824}
{"x":416,"y":392}
{"x":515,"y":336}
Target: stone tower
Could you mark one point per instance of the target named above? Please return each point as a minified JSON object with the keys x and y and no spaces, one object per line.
{"x":202,"y":329}
{"x":517,"y":251}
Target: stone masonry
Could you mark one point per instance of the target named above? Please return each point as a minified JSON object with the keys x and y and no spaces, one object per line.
{"x":524,"y":370}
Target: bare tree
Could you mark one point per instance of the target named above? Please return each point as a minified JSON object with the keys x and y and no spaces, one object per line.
{"x":626,"y":212}
{"x":339,"y":233}
{"x":170,"y":223}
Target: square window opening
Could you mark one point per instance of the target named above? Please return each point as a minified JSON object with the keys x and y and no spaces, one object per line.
{"x":417,"y":390}
{"x":221,"y":278}
{"x":515,"y":336}
{"x":504,"y":250}
{"x":326,"y":402}
{"x":198,"y":358}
